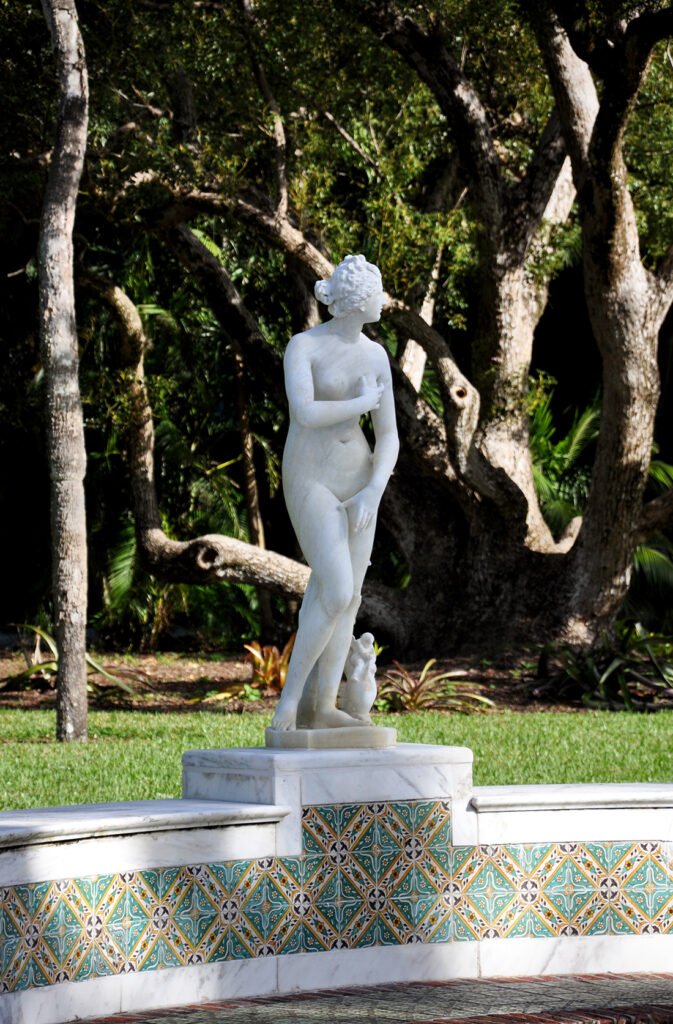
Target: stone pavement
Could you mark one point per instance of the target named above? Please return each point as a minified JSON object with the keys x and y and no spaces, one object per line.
{"x":589,"y":999}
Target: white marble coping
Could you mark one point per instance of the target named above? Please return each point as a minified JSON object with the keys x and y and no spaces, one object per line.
{"x":288,"y":760}
{"x":574,"y":796}
{"x":83,"y":821}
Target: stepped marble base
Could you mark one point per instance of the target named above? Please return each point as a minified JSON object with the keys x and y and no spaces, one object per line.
{"x":362,"y":737}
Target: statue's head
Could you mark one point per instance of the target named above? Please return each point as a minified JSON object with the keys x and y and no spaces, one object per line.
{"x":349,"y":287}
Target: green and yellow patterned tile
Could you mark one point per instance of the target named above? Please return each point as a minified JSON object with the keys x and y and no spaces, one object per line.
{"x":26,"y":900}
{"x":97,"y":962}
{"x":377,"y":933}
{"x":529,"y":858}
{"x":490,"y":891}
{"x":289,"y":937}
{"x":31,"y":975}
{"x":376,"y":850}
{"x":92,"y":890}
{"x":265,"y":907}
{"x":228,"y":874}
{"x":569,"y":889}
{"x":664,"y":920}
{"x":415,"y":896}
{"x":530,"y":923}
{"x":61,"y":931}
{"x":127,"y":922}
{"x":412,"y":812}
{"x":194,"y":914}
{"x":649,"y":887}
{"x":609,"y":855}
{"x":440,"y":924}
{"x":161,"y":954}
{"x":340,"y":903}
{"x":612,"y":920}
{"x":152,"y":886}
{"x":468,"y":861}
{"x":10,"y":939}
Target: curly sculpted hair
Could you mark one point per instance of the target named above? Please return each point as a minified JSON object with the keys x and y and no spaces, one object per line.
{"x":352,"y":282}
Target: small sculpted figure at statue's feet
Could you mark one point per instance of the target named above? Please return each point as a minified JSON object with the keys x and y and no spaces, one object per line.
{"x":333,"y":483}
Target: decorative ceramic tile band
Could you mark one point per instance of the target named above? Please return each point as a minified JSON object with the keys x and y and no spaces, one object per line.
{"x":370,"y":874}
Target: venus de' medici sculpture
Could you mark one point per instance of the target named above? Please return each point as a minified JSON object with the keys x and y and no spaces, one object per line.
{"x":333,"y":483}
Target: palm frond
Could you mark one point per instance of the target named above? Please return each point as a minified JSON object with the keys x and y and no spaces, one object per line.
{"x":655,"y":566}
{"x":121,"y":567}
{"x":661,"y":473}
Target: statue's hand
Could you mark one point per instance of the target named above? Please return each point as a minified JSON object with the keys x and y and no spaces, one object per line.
{"x":362,"y":508}
{"x":372,"y":393}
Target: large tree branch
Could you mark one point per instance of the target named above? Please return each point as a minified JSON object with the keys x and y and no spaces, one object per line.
{"x":573,"y":87}
{"x":528,"y":200}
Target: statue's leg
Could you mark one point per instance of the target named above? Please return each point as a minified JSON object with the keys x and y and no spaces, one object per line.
{"x":322,"y":532}
{"x":333,"y":658}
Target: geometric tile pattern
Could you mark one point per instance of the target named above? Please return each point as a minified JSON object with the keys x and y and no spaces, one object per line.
{"x":369,"y":875}
{"x":562,"y":889}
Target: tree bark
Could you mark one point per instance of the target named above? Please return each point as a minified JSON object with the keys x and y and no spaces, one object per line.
{"x":65,"y":430}
{"x":626,"y":303}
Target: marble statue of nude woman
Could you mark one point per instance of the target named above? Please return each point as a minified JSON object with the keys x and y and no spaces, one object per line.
{"x":333,"y":483}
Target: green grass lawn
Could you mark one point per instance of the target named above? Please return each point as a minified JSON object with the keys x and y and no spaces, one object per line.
{"x":136,"y":755}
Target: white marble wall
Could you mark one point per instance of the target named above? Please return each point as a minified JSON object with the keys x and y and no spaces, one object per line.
{"x":298,"y":778}
{"x":246,"y":804}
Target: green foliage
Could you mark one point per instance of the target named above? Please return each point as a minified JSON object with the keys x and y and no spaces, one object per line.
{"x":402,"y":690}
{"x":269,"y":665}
{"x":634,"y":671}
{"x":371,"y":197}
{"x":42,"y":671}
{"x":561,"y":475}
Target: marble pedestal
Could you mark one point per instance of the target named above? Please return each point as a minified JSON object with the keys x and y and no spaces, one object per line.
{"x":362,"y":737}
{"x":302,"y":778}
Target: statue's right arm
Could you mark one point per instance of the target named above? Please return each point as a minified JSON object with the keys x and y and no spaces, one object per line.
{"x":304,"y":408}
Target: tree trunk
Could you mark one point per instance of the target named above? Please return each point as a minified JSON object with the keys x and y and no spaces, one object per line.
{"x":626,"y":302}
{"x":65,"y":430}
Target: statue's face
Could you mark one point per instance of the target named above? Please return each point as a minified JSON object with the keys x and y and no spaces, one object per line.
{"x":374,"y":303}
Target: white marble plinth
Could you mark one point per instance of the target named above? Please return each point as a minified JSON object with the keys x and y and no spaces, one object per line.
{"x":300,"y":778}
{"x":362,"y":737}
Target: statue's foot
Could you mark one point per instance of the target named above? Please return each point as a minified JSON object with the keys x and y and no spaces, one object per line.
{"x":285,"y":718}
{"x":332,"y":718}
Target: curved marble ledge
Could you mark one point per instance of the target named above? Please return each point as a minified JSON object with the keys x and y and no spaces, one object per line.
{"x":571,"y":797}
{"x":85,"y":821}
